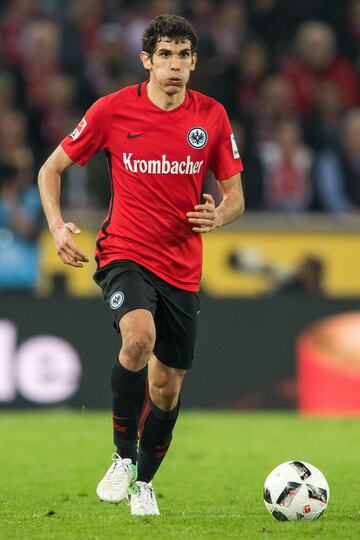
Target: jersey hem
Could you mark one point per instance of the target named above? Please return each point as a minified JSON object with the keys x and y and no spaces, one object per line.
{"x":161,"y":275}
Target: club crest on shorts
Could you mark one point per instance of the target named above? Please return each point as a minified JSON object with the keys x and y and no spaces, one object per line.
{"x":116,"y":299}
{"x":197,"y":137}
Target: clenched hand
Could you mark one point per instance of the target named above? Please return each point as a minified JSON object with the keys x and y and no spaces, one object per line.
{"x":205,"y":218}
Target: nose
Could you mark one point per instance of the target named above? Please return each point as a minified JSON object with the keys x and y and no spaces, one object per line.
{"x":175,"y":63}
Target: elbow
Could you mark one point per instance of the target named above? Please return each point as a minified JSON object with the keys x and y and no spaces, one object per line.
{"x":41,"y":174}
{"x":47,"y":170}
{"x":241,"y":206}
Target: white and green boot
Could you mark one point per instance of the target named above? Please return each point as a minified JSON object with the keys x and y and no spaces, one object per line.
{"x":142,"y":499}
{"x":113,"y":488}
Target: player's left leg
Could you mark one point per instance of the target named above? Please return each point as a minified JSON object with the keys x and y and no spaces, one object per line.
{"x":176,"y":323}
{"x":155,"y":437}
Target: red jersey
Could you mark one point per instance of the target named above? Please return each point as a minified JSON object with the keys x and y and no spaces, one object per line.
{"x":157,"y":161}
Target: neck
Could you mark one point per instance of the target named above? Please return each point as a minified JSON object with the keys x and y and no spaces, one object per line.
{"x":161,"y":99}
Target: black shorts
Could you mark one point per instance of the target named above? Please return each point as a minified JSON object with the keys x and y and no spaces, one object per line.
{"x":127,"y":285}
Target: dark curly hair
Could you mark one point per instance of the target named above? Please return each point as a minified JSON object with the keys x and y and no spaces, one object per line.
{"x":171,"y":26}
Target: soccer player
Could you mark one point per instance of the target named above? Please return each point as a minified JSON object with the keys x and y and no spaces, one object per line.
{"x":159,"y":138}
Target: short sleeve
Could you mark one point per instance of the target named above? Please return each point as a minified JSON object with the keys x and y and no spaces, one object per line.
{"x":225,"y":161}
{"x":91,"y":134}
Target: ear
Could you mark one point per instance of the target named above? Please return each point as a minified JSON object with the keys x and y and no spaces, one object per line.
{"x":193,"y":62}
{"x":146,"y":60}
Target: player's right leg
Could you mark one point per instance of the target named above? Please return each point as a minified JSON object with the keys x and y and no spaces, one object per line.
{"x":133,"y":301}
{"x":128,"y":384}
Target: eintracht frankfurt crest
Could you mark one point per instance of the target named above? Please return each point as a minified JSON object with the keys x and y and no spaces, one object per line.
{"x":116,"y":299}
{"x":197,"y":137}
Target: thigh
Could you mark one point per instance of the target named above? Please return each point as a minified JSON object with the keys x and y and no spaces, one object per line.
{"x":125,"y":290}
{"x":176,"y":327}
{"x":138,"y":326}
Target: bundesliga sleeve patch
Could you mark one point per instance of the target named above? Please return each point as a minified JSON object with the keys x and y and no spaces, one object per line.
{"x":78,"y":130}
{"x":234,"y":147}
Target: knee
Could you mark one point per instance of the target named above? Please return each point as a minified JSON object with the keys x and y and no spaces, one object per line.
{"x":137,"y":348}
{"x":165,"y":396}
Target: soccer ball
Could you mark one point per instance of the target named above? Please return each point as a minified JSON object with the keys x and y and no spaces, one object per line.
{"x":296,"y":490}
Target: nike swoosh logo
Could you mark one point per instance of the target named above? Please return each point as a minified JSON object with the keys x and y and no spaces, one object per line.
{"x":134,"y":135}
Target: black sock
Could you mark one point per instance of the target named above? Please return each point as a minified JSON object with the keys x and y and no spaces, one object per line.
{"x":155,"y":440}
{"x":129,"y":393}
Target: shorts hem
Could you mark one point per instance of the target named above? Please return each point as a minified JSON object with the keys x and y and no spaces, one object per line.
{"x":118,"y":319}
{"x":168,"y":364}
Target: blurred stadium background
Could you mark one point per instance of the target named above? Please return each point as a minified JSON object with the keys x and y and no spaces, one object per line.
{"x":281,"y":287}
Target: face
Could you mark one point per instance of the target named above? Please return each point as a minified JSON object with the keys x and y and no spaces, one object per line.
{"x":288,"y":136}
{"x":253,"y":61}
{"x":277,"y":95}
{"x":170,"y":65}
{"x":317,"y":48}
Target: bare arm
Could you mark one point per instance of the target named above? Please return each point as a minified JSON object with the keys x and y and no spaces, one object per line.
{"x":206,"y":217}
{"x":49,"y":186}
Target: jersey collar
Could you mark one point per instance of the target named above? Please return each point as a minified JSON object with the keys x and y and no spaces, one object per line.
{"x":141,"y":91}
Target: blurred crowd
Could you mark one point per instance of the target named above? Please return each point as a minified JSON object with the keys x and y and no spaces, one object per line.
{"x":286,"y":71}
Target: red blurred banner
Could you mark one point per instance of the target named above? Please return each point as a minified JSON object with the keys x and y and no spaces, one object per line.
{"x":328,"y":367}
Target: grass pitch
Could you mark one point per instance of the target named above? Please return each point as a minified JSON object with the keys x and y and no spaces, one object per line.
{"x":209,"y":487}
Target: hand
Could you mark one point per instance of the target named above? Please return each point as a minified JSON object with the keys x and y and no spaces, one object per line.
{"x":205,"y":218}
{"x":65,"y":246}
